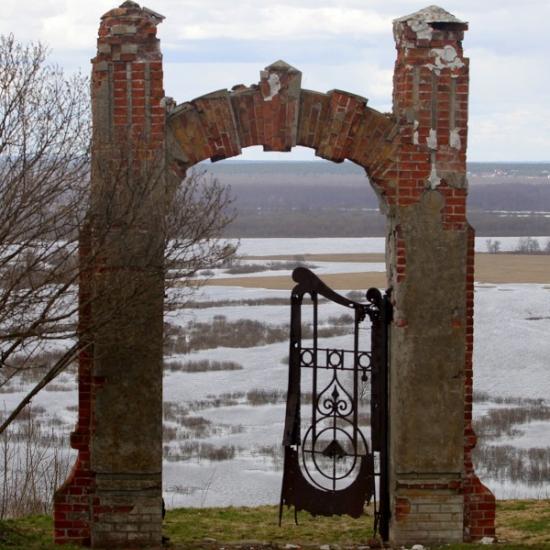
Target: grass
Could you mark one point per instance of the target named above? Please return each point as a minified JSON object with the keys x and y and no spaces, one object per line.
{"x":521,"y":525}
{"x":29,"y":533}
{"x":524,"y":521}
{"x":191,"y":526}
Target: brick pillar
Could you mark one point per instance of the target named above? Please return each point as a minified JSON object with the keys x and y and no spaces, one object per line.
{"x":72,"y":501}
{"x":114,"y":495}
{"x":479,"y":501}
{"x":430,"y":265}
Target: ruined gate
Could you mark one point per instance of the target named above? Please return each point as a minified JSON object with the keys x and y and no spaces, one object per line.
{"x":335,"y":456}
{"x":415,"y":159}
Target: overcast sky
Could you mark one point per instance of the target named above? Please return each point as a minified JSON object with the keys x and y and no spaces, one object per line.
{"x":345,"y":44}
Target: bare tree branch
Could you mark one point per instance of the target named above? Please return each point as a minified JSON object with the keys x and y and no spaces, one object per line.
{"x":54,"y":371}
{"x":45,"y":167}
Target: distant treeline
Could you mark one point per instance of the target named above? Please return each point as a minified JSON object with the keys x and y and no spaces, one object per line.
{"x":352,"y":192}
{"x":345,"y":209}
{"x":357,"y":223}
{"x":314,"y":199}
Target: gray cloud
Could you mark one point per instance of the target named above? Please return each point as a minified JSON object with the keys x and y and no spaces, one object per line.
{"x":211,"y":44}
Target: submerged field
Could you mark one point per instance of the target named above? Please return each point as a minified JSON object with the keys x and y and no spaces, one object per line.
{"x":226,"y":368}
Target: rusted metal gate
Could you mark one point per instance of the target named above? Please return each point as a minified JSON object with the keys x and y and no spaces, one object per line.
{"x":336,"y":426}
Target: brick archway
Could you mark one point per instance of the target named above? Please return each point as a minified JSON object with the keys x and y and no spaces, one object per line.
{"x":278,"y":115}
{"x":415,"y":158}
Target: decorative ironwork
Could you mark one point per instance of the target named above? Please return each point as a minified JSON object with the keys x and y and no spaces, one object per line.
{"x":331,"y":469}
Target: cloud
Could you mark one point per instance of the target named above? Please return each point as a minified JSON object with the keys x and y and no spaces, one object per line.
{"x":186,"y":81}
{"x":509,"y":113}
{"x":283,"y":22}
{"x":346,"y":44}
{"x":62,"y":24}
{"x":509,"y":135}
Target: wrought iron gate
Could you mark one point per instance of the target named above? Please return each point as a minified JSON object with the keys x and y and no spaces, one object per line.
{"x":338,"y":466}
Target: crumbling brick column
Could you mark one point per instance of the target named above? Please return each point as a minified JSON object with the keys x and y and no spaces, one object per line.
{"x":416,"y":162}
{"x":113,"y":497}
{"x":430,"y":266}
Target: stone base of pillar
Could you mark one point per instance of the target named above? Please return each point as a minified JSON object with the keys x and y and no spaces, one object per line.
{"x":127,"y":511}
{"x":427,"y":511}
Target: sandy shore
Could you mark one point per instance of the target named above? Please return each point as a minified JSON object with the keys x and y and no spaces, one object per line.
{"x":490,"y":268}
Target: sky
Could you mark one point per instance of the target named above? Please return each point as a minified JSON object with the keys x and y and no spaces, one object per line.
{"x":345,"y":44}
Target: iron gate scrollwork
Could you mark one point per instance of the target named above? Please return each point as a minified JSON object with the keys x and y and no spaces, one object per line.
{"x":331,"y":469}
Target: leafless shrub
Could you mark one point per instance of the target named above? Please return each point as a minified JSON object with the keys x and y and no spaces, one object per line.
{"x":242,"y":333}
{"x":504,"y":421}
{"x":273,"y":452}
{"x":184,"y":489}
{"x":507,"y":463}
{"x":504,"y":462}
{"x":33,"y":463}
{"x":485,"y":397}
{"x":30,"y":367}
{"x":235,"y":303}
{"x":356,"y":296}
{"x":54,"y":421}
{"x":246,"y":268}
{"x":204,"y":365}
{"x":229,"y":399}
{"x":327,"y":331}
{"x":172,"y":411}
{"x":30,"y":414}
{"x":59,"y":387}
{"x":493,"y":247}
{"x":199,"y":211}
{"x":169,"y":433}
{"x":45,"y":132}
{"x":344,"y":319}
{"x":199,"y":451}
{"x":196,"y":426}
{"x":44,"y":167}
{"x":257,"y":397}
{"x":528,"y":245}
{"x":269,"y":266}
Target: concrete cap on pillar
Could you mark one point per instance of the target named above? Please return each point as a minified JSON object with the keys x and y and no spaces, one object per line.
{"x":431,"y":15}
{"x":424,"y":22}
{"x":281,"y":67}
{"x":133,"y":9}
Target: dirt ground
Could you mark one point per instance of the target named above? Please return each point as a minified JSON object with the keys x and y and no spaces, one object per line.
{"x":490,"y":268}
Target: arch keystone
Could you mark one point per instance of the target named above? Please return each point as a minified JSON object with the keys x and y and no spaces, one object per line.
{"x":280,"y":86}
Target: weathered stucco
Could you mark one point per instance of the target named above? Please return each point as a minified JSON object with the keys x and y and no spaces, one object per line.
{"x":430,"y":346}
